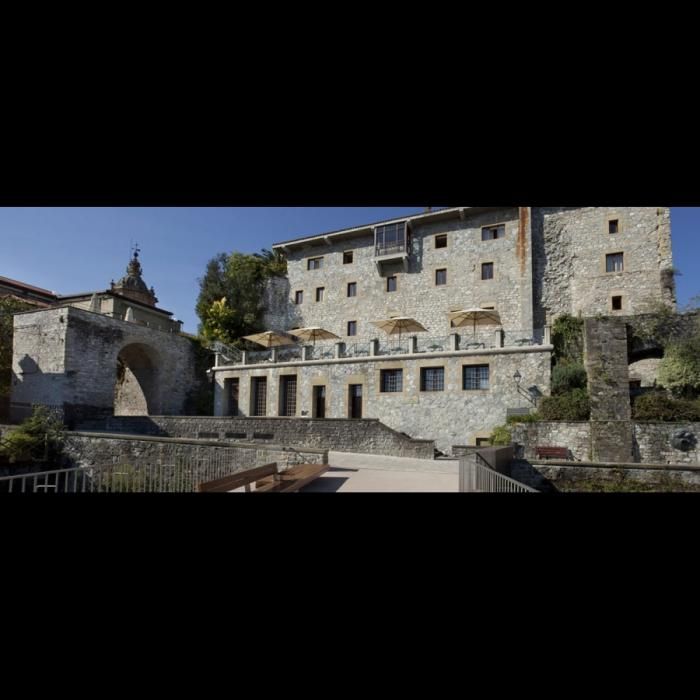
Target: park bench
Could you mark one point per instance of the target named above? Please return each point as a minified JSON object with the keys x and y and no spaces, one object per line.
{"x":552,"y":452}
{"x":267,"y":479}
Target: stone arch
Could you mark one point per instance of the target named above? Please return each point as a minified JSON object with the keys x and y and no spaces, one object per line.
{"x":137,"y":386}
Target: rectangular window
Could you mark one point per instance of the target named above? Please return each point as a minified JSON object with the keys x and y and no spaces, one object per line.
{"x":441,"y":241}
{"x":288,"y":395}
{"x":441,"y":277}
{"x":315,"y":263}
{"x":487,"y":271}
{"x":614,"y":262}
{"x":391,"y":284}
{"x":299,"y":297}
{"x":614,"y":226}
{"x":617,"y":303}
{"x":475,"y":377}
{"x":352,"y":327}
{"x":347,"y":257}
{"x":319,"y":293}
{"x":391,"y":380}
{"x":432,"y":379}
{"x":352,"y":289}
{"x":259,"y":396}
{"x":490,"y":233}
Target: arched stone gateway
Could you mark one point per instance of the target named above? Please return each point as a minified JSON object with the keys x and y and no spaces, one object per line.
{"x":137,"y":386}
{"x":88,"y":365}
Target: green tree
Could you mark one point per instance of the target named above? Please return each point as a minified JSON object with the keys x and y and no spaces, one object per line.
{"x":38,"y":438}
{"x":230,"y":302}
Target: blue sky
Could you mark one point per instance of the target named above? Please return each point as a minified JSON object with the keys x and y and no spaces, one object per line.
{"x":72,"y":250}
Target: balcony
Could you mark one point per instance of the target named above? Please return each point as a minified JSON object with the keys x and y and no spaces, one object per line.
{"x":392,"y":244}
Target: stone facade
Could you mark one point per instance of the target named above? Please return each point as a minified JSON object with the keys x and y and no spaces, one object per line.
{"x":70,"y":359}
{"x":545,"y":262}
{"x":367,"y":436}
{"x":449,"y":417}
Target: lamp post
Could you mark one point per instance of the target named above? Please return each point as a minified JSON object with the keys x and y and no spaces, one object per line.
{"x":517,"y":378}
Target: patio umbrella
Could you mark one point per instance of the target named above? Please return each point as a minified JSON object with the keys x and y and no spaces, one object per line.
{"x":400,"y":324}
{"x":270,"y":339}
{"x":464,"y":317}
{"x":312,"y":333}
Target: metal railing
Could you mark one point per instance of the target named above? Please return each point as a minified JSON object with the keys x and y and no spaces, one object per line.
{"x":523,"y":338}
{"x":179,"y":476}
{"x":256,"y":357}
{"x":488,"y":480}
{"x":395,"y":346}
{"x":320,"y":352}
{"x":433,"y":343}
{"x":356,"y":350}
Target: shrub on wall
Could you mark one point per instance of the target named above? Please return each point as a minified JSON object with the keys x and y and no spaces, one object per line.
{"x":529,"y":418}
{"x":567,"y":377}
{"x":574,"y":405}
{"x":657,"y":406}
{"x":39,"y":438}
{"x":679,"y":371}
{"x":501,"y":436}
{"x":567,"y":339}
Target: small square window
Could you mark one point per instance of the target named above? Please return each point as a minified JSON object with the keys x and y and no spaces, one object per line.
{"x":352,"y":327}
{"x":391,"y":380}
{"x":475,"y":377}
{"x":391,"y":284}
{"x":315,"y":263}
{"x":352,"y":289}
{"x":614,"y":262}
{"x":614,"y":226}
{"x":441,"y":241}
{"x":347,"y":257}
{"x":490,"y":233}
{"x":319,"y":293}
{"x":299,"y":297}
{"x":432,"y":379}
{"x":617,"y":303}
{"x":441,"y":277}
{"x":487,"y":271}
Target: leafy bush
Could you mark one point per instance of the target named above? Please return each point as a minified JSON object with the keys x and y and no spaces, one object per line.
{"x":658,"y":406}
{"x":679,"y":371}
{"x":567,"y":377}
{"x":574,"y":405}
{"x":38,"y":438}
{"x":501,"y":436}
{"x":529,"y":418}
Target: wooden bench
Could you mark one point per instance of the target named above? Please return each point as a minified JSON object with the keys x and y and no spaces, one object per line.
{"x":552,"y":452}
{"x":266,"y":479}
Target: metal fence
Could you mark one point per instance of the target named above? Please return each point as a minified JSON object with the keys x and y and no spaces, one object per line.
{"x":179,"y":476}
{"x":477,"y":476}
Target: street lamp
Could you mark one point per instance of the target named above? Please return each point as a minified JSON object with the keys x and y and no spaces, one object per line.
{"x":517,"y":377}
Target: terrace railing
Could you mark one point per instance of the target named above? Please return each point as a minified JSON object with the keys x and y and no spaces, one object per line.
{"x":487,"y":480}
{"x":176,"y":476}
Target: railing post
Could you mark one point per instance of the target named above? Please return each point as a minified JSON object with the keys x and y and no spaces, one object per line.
{"x":499,"y":338}
{"x":547,"y":335}
{"x":307,"y":352}
{"x":339,"y":347}
{"x":273,"y":354}
{"x":244,"y":357}
{"x":413,"y":347}
{"x":374,"y":347}
{"x":454,"y":341}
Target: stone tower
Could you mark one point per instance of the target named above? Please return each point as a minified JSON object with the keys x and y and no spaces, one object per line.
{"x":132,"y":285}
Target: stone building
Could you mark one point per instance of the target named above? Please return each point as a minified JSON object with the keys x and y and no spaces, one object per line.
{"x":100,"y":353}
{"x":524,"y":265}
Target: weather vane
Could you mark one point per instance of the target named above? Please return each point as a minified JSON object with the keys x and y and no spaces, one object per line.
{"x":136,"y":250}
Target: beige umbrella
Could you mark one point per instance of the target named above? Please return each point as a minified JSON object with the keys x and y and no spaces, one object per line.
{"x":312,"y":333}
{"x":400,"y":324}
{"x":270,"y":339}
{"x":465,"y":317}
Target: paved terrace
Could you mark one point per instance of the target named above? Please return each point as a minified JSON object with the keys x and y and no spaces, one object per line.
{"x":376,"y":473}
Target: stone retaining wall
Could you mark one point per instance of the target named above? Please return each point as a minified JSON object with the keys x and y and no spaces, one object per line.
{"x":103,"y":450}
{"x":368,"y":436}
{"x":651,"y":442}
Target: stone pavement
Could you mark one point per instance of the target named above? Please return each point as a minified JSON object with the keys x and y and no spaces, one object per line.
{"x":375,"y":473}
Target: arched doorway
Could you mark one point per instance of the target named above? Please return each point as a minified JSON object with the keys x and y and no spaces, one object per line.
{"x":136,"y":388}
